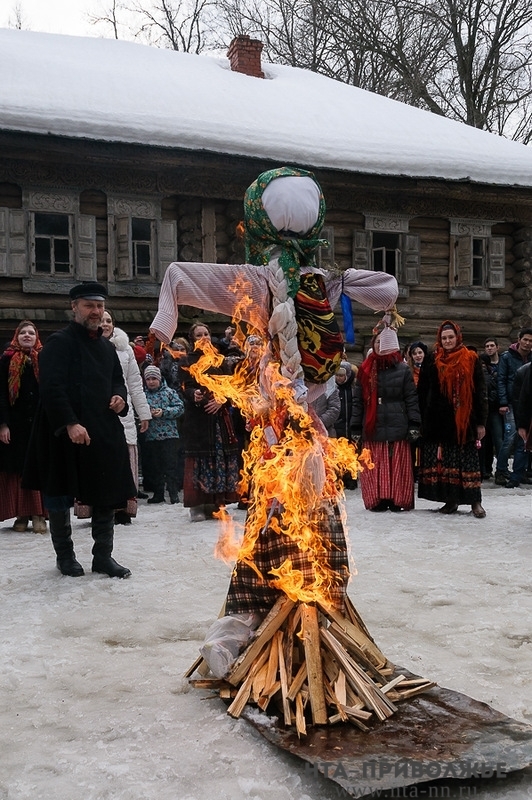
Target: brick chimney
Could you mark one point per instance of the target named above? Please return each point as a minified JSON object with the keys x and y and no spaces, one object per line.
{"x":244,"y":56}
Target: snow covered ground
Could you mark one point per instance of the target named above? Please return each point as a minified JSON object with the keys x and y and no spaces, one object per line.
{"x":92,"y":700}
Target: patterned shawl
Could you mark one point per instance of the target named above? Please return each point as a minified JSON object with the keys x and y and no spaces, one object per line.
{"x":261,"y":236}
{"x":19,"y":359}
{"x":455,"y":375}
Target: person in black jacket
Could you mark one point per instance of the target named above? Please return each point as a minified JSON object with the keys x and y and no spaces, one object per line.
{"x":19,"y":397}
{"x":78,"y":448}
{"x":385,"y":420}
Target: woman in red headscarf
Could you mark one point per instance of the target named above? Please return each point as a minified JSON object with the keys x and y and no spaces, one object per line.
{"x":454,"y":407}
{"x":19,"y":396}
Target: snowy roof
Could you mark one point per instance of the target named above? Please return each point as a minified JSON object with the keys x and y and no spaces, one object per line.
{"x":118,"y":91}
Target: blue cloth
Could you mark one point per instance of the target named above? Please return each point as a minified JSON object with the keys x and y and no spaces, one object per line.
{"x":347,"y":315}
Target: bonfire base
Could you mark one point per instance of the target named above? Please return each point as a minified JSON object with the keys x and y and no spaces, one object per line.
{"x":441,"y":737}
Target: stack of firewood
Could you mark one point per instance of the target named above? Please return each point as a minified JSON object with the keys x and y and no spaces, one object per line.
{"x":314,"y":665}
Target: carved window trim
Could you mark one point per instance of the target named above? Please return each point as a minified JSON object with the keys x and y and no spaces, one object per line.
{"x":17,"y":241}
{"x":122,"y":210}
{"x":408,"y":263}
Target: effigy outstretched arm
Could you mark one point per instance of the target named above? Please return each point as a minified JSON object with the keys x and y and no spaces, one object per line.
{"x":211,"y":287}
{"x":376,"y":290}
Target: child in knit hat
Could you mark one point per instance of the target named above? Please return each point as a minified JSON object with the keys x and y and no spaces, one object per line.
{"x":160,"y":447}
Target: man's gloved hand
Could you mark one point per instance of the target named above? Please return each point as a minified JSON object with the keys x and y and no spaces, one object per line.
{"x":413,"y":435}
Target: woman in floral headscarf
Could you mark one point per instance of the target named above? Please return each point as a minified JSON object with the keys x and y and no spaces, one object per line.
{"x":19,"y":395}
{"x":454,"y":407}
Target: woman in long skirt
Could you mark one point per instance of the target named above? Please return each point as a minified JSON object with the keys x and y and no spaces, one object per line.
{"x":454,"y":406}
{"x":385,"y":420}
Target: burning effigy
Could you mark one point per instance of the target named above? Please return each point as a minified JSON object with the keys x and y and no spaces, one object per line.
{"x":288,"y":634}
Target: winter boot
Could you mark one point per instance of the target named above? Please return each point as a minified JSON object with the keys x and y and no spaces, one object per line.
{"x":61,"y":533}
{"x":197,"y":514}
{"x":39,"y":524}
{"x":21,"y":524}
{"x":103,"y":535}
{"x":158,"y":497}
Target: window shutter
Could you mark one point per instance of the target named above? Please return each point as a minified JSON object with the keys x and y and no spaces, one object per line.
{"x":361,"y":250}
{"x":326,"y":254}
{"x":85,"y":236}
{"x":122,"y":229}
{"x":462,"y":261}
{"x":411,"y":260}
{"x":496,"y":262}
{"x":17,"y":243}
{"x":167,"y":244}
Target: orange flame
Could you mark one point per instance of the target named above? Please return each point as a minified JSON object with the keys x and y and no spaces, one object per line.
{"x":292,"y":470}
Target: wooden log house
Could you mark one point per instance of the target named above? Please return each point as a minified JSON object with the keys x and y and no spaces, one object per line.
{"x":81,"y":202}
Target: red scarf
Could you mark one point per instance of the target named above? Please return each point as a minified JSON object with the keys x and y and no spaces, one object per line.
{"x":368,"y":378}
{"x":19,"y":359}
{"x":455,"y":375}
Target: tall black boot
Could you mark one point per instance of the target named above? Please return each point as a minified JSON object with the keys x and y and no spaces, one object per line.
{"x":61,"y":533}
{"x":103,"y":534}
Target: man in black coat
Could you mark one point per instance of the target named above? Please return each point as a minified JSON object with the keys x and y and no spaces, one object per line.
{"x":78,"y":448}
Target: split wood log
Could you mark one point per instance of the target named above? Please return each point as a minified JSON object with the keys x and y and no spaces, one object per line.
{"x":284,"y":682}
{"x":311,"y":642}
{"x":298,"y":681}
{"x":263,"y":634}
{"x":300,"y":716}
{"x":242,"y":697}
{"x":358,"y":636}
{"x":369,"y":693}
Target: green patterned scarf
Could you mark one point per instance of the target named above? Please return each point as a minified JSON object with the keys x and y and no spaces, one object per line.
{"x":261,"y":236}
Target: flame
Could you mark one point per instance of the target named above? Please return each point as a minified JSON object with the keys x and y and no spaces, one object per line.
{"x":292,"y":469}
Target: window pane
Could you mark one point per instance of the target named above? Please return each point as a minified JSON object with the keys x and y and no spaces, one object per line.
{"x":51,"y":224}
{"x":61,"y":255}
{"x":388,"y":240}
{"x":43,"y":256}
{"x":141,"y":258}
{"x":141,"y":230}
{"x":391,"y":262}
{"x":378,"y":259}
{"x":385,"y":250}
{"x":478,"y":262}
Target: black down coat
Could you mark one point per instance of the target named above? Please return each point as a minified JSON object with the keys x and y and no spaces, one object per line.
{"x":19,"y":416}
{"x":397,"y":406}
{"x":78,"y":376}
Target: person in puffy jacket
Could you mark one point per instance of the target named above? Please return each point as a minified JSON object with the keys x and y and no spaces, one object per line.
{"x":162,"y":436}
{"x":385,"y":420}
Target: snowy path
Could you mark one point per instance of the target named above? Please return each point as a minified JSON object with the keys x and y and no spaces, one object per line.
{"x":92,"y":701}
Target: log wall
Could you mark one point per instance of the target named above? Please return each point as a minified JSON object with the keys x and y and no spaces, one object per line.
{"x":199,"y":189}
